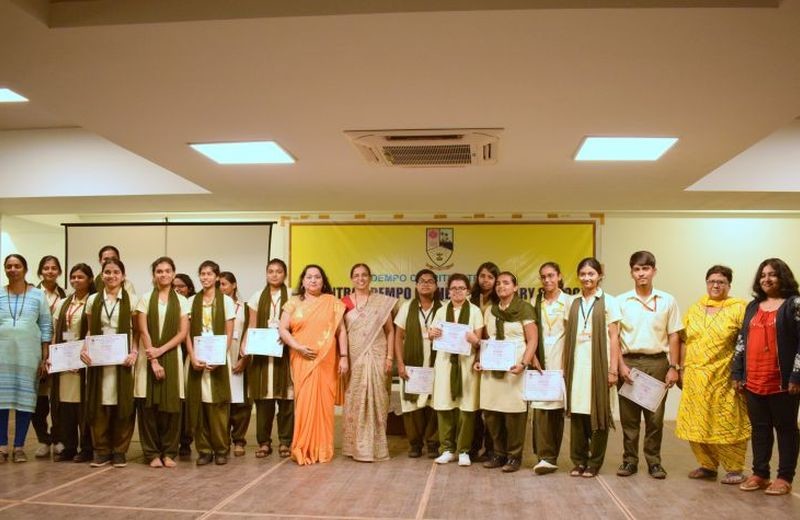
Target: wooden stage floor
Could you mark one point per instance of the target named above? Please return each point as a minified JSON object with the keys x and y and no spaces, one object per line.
{"x":400,"y":488}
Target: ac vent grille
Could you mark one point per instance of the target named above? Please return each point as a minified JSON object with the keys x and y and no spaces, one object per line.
{"x":434,"y":148}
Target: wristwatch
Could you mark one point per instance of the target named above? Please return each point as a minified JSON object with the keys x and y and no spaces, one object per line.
{"x":676,"y":367}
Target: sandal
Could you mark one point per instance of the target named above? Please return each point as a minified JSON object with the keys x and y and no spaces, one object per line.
{"x":589,"y":472}
{"x":754,"y":483}
{"x":779,"y":487}
{"x":732,"y":477}
{"x":577,"y":471}
{"x":702,"y":473}
{"x":263,"y":451}
{"x":284,"y":451}
{"x":238,"y":450}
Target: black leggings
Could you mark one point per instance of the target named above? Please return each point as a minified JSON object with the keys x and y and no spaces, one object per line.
{"x":778,"y":412}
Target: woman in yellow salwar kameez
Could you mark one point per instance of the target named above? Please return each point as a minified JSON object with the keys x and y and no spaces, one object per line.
{"x":311,"y":325}
{"x":712,"y":416}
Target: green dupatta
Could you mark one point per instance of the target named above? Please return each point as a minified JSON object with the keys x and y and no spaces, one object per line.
{"x":94,"y":375}
{"x":220,"y":378}
{"x":258,"y":370}
{"x":601,"y":402}
{"x":164,"y":394}
{"x":413,"y":344}
{"x":456,"y":386}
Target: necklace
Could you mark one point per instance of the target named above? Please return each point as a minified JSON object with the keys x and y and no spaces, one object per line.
{"x":361,"y":307}
{"x":15,"y":315}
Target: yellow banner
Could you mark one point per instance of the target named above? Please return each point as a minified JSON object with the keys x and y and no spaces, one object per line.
{"x":395,"y":252}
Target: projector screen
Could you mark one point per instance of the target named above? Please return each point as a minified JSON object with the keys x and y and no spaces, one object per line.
{"x":241,"y":248}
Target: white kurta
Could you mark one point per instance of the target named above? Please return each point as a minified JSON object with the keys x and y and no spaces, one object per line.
{"x":400,"y":321}
{"x":504,"y":394}
{"x":275,"y":302}
{"x":140,"y":374}
{"x":581,"y":394}
{"x":109,"y":321}
{"x":208,"y":323}
{"x":552,"y":320}
{"x":470,"y":380}
{"x":69,"y":383}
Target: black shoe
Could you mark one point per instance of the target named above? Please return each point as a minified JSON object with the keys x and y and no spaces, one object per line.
{"x":118,"y":460}
{"x":626,"y":469}
{"x":414,"y":452}
{"x":82,"y":456}
{"x":657,"y":471}
{"x":100,"y":461}
{"x":204,"y":458}
{"x":495,"y":462}
{"x":433,"y":453}
{"x":64,"y":456}
{"x":221,"y":460}
{"x":185,"y":450}
{"x":511,"y":466}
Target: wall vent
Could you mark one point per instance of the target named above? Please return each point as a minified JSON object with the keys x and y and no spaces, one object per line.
{"x":427,"y":148}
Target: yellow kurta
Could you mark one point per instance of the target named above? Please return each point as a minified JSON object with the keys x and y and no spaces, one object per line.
{"x":711,"y":411}
{"x":140,"y":369}
{"x":470,"y":380}
{"x":208,"y":323}
{"x":504,"y":395}
{"x":400,"y":321}
{"x":69,"y":383}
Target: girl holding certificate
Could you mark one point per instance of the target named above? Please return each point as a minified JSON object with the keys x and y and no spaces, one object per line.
{"x":505,"y":412}
{"x":311,"y":325}
{"x":412,"y":347}
{"x":370,"y":335}
{"x":551,"y":305}
{"x":208,"y":387}
{"x":239,"y":412}
{"x":591,"y":357}
{"x":25,"y":330}
{"x":455,"y":386}
{"x":109,"y":389}
{"x":67,"y":389}
{"x":269,"y":379}
{"x":163,"y":325}
{"x":48,"y":272}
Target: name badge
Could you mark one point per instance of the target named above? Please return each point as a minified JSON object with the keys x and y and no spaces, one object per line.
{"x":70,"y":336}
{"x":585,"y":336}
{"x":109,"y":330}
{"x":235,"y":334}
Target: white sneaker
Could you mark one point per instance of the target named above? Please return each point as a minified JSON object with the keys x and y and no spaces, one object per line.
{"x":58,"y":448}
{"x":463,"y":459}
{"x":544,"y":467}
{"x":43,"y":451}
{"x":445,"y":457}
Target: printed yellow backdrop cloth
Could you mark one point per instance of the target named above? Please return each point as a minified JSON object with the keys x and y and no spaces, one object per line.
{"x":395,"y":252}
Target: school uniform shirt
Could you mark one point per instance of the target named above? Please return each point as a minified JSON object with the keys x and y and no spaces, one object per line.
{"x":425,"y":322}
{"x":69,"y":383}
{"x":470,"y":381}
{"x":109,"y":320}
{"x":647,"y":323}
{"x":581,"y":395}
{"x":208,"y":324}
{"x":552,"y":321}
{"x":140,"y":372}
{"x":252,"y":303}
{"x":504,"y":394}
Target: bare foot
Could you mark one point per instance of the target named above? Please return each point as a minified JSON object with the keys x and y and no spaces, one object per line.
{"x":169,"y":462}
{"x":156,"y":463}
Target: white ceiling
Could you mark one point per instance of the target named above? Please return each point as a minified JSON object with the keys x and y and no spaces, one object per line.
{"x":720,"y":79}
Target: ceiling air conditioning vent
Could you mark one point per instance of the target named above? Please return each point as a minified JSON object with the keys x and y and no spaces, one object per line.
{"x":427,"y":148}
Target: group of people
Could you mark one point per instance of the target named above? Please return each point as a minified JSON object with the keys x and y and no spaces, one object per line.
{"x":738,"y":365}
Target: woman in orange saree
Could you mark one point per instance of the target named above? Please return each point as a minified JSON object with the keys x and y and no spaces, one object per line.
{"x":311,"y":325}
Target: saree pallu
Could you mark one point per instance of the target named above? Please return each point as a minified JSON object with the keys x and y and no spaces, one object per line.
{"x":314,"y":324}
{"x":366,"y":404}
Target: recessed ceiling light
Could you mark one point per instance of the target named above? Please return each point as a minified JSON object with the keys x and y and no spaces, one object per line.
{"x":253,"y":152}
{"x":9,"y":96}
{"x":624,"y":148}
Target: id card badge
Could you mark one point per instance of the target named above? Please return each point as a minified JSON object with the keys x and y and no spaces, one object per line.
{"x":273,"y":323}
{"x":236,"y":334}
{"x":109,"y":330}
{"x":585,"y":336}
{"x":70,"y":336}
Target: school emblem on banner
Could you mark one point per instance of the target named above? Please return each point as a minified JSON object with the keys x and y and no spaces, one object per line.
{"x":439,"y":246}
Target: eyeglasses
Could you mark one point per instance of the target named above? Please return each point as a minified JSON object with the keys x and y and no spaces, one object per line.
{"x":717,"y":282}
{"x":426,"y":281}
{"x":459,"y":289}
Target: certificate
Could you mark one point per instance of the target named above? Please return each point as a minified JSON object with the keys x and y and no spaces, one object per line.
{"x":420,"y":380}
{"x":264,"y":342}
{"x":237,"y":388}
{"x":65,"y":357}
{"x":453,"y":339}
{"x":646,"y":391}
{"x":498,"y":354}
{"x":211,"y":350}
{"x":107,"y":349}
{"x":545,"y":386}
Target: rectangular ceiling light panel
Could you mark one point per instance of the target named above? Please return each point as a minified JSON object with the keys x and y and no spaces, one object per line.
{"x":9,"y":96}
{"x":254,"y":152}
{"x":624,"y":148}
